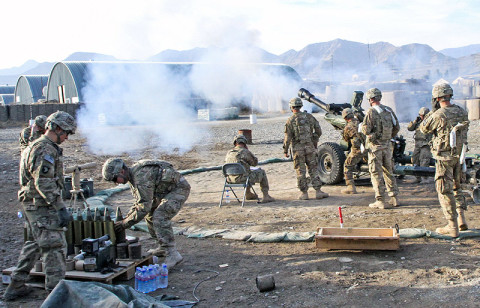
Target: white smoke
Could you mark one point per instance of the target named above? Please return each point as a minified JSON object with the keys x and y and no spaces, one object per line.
{"x":130,"y":106}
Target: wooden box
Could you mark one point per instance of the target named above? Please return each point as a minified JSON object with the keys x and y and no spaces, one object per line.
{"x":357,"y":238}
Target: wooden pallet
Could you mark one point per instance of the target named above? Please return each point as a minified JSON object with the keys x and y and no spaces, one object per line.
{"x":357,"y":238}
{"x":124,"y":271}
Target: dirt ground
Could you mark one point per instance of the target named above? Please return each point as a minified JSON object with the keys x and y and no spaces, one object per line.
{"x":423,"y":272}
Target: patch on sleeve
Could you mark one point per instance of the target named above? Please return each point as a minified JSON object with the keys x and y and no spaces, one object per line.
{"x":45,"y":169}
{"x":49,"y":159}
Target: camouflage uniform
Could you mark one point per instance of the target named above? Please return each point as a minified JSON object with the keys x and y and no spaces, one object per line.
{"x":303,"y":131}
{"x":247,"y":159}
{"x":421,"y":154}
{"x":26,"y":135}
{"x":41,"y":179}
{"x":379,"y":126}
{"x":355,"y":139}
{"x":448,"y":169}
{"x":159,"y":193}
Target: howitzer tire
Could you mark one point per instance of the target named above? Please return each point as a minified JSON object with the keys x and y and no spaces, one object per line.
{"x":331,"y":158}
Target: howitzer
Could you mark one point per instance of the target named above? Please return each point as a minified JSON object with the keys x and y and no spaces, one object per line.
{"x":334,"y":111}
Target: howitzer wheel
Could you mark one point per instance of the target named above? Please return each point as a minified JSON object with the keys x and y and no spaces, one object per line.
{"x":330,"y":162}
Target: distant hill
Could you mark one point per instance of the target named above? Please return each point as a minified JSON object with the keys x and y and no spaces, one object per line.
{"x":200,"y":54}
{"x":461,"y":51}
{"x":89,"y":56}
{"x":30,"y":64}
{"x":339,"y":61}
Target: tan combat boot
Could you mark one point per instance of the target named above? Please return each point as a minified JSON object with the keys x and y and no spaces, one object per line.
{"x":266,"y":197}
{"x":303,"y":195}
{"x":379,"y":204}
{"x":159,"y":252}
{"x":319,"y":194}
{"x":394,"y":201}
{"x":462,"y":222}
{"x":249,"y":195}
{"x":450,"y":229}
{"x":350,"y":189}
{"x":173,"y":257}
{"x":15,"y":290}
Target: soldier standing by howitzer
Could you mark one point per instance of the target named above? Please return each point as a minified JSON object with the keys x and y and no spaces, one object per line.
{"x":380,"y":125}
{"x":449,"y":125}
{"x":302,"y":131}
{"x":355,"y":139}
{"x":159,"y":192}
{"x":41,"y":180}
{"x":30,"y":133}
{"x":421,"y":153}
{"x":241,"y":154}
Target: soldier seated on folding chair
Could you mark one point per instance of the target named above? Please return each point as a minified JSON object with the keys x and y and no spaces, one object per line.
{"x":241,"y":154}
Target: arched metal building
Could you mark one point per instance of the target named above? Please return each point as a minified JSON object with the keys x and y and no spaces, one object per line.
{"x":68,"y":79}
{"x":5,"y":89}
{"x":29,"y":88}
{"x":6,"y":99}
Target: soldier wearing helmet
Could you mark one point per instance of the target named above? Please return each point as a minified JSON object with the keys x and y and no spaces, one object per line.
{"x":355,"y":140}
{"x":160,"y":192}
{"x":302,"y":132}
{"x":421,"y":154}
{"x":41,"y":180}
{"x":32,"y":132}
{"x":379,"y":126}
{"x":449,"y":127}
{"x":241,"y":154}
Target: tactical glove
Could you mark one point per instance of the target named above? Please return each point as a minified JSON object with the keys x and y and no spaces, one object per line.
{"x":118,"y":226}
{"x":64,"y":217}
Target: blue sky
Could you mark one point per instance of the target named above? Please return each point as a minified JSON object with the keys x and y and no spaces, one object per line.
{"x":50,"y":30}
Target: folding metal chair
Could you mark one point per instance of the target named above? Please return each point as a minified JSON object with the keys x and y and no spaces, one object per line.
{"x":235,"y":169}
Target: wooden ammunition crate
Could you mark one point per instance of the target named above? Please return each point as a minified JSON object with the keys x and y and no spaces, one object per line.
{"x":357,"y":238}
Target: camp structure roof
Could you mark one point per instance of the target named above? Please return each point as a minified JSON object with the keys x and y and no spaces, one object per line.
{"x":29,"y":88}
{"x":6,"y":99}
{"x":6,"y":89}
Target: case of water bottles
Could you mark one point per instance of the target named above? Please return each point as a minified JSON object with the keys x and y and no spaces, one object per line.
{"x":150,"y":278}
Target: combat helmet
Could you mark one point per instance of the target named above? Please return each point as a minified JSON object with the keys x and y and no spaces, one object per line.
{"x":441,"y":90}
{"x":63,"y":120}
{"x":423,"y":111}
{"x":347,"y":112}
{"x":40,"y":121}
{"x":295,"y":102}
{"x":112,"y":168}
{"x":240,"y":139}
{"x":374,"y":93}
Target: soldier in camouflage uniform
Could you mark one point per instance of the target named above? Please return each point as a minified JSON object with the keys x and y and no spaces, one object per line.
{"x":30,"y":133}
{"x":241,"y":154}
{"x":380,"y":125}
{"x":355,"y":139}
{"x":449,"y":126}
{"x":421,"y":153}
{"x":302,"y":132}
{"x":41,"y":180}
{"x":159,"y":192}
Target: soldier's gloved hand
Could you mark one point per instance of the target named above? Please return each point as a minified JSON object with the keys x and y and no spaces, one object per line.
{"x":118,"y":226}
{"x":418,"y":119}
{"x":64,"y":217}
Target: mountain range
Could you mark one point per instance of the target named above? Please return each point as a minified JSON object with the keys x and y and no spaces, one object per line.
{"x":338,"y":61}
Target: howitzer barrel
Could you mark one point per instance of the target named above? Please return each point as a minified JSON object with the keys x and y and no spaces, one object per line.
{"x":414,"y":170}
{"x":331,"y":108}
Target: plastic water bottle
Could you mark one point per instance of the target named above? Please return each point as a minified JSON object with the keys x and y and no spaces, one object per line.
{"x":163,"y":277}
{"x":148,"y":279}
{"x":157,"y":276}
{"x":137,"y":278}
{"x":141,"y":280}
{"x":227,"y":196}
